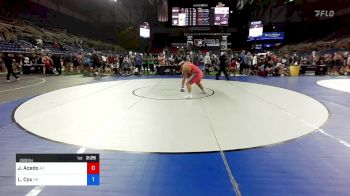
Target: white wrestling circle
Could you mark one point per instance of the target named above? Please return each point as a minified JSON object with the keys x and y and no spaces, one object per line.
{"x":336,"y":84}
{"x":109,"y":115}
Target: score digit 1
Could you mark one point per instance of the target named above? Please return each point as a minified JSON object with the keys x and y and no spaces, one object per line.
{"x":93,"y":173}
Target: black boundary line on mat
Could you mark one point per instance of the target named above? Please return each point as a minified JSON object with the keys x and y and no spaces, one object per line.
{"x":233,"y":181}
{"x":22,"y":87}
{"x":133,"y":92}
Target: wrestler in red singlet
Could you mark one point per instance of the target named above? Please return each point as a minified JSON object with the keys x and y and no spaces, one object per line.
{"x":192,"y":74}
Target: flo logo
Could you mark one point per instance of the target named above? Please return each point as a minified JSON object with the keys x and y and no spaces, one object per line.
{"x":324,"y":13}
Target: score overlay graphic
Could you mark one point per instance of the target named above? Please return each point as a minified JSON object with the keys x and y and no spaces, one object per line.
{"x":57,"y":169}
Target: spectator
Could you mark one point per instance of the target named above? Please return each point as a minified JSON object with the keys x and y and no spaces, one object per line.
{"x":347,"y":64}
{"x":2,"y":64}
{"x":87,"y":64}
{"x":96,"y":64}
{"x":223,"y":66}
{"x":68,"y":63}
{"x":255,"y":60}
{"x":215,"y":62}
{"x":32,"y":59}
{"x":132,"y":59}
{"x":161,"y":59}
{"x":248,"y":63}
{"x":343,"y":66}
{"x":111,"y":62}
{"x":103,"y":63}
{"x":207,"y":63}
{"x":8,"y":60}
{"x":261,"y":69}
{"x":151,"y":62}
{"x":254,"y":66}
{"x":26,"y":60}
{"x":57,"y":63}
{"x":75,"y":63}
{"x":170,"y":60}
{"x":242,"y":61}
{"x":328,"y":62}
{"x":269,"y":68}
{"x":126,"y":66}
{"x":18,"y":62}
{"x":201,"y":61}
{"x":138,"y":62}
{"x":145,"y":63}
{"x":80,"y":58}
{"x":39,"y":59}
{"x":233,"y":66}
{"x":161,"y":62}
{"x":284,"y":60}
{"x":48,"y":64}
{"x":280,"y":69}
{"x":338,"y":63}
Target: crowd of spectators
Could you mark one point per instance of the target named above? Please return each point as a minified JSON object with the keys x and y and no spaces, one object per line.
{"x":273,"y":64}
{"x":135,"y":63}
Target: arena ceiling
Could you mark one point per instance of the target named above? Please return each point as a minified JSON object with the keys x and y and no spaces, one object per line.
{"x":105,"y":11}
{"x":138,"y":11}
{"x":290,"y":16}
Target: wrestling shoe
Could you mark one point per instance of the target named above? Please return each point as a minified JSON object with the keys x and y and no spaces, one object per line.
{"x":189,"y":96}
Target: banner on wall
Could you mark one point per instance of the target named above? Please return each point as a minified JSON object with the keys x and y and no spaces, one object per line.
{"x":206,"y":42}
{"x":189,"y":42}
{"x":269,"y":36}
{"x":224,"y":43}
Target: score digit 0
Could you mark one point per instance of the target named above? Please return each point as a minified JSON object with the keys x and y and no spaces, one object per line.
{"x":93,"y":167}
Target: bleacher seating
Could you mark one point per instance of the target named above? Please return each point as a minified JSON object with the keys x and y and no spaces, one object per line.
{"x":24,"y":30}
{"x":10,"y":47}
